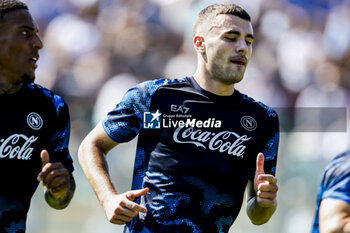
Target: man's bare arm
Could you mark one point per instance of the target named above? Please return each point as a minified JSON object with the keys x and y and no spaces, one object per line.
{"x":119,"y":208}
{"x":92,"y":159}
{"x":334,"y":216}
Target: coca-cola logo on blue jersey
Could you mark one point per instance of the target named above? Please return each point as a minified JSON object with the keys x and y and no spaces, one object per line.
{"x":17,"y":146}
{"x":224,"y":141}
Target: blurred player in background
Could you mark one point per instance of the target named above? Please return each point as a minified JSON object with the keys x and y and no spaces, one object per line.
{"x":34,"y":124}
{"x":333,"y":201}
{"x":201,"y":142}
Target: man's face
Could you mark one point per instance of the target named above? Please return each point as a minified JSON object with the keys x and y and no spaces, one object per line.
{"x":19,"y":46}
{"x":228,"y":48}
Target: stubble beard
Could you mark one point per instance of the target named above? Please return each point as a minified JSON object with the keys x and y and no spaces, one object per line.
{"x":226,"y":76}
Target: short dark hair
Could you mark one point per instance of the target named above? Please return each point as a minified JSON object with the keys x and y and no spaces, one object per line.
{"x":10,"y":5}
{"x":214,"y":10}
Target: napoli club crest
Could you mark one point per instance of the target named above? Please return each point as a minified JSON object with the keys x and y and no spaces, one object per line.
{"x":34,"y":121}
{"x":249,"y":123}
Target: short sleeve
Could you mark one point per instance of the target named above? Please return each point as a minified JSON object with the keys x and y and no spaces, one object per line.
{"x":59,"y":142}
{"x":270,"y":150}
{"x":336,"y":182}
{"x":124,"y":122}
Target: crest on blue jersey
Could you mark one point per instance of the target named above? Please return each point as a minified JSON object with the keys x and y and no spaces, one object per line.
{"x":249,"y":123}
{"x":152,"y":120}
{"x":34,"y":121}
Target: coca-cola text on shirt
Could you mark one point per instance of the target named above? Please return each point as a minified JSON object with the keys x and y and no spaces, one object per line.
{"x":17,"y":146}
{"x":224,"y":141}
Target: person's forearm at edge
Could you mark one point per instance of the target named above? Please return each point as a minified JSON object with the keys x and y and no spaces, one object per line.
{"x":93,"y":162}
{"x":334,"y":216}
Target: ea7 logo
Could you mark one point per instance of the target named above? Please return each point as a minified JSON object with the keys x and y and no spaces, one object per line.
{"x":34,"y":120}
{"x":182,"y":109}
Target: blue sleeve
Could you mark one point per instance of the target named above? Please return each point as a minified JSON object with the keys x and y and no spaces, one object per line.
{"x":336,"y":183}
{"x":271,"y":147}
{"x":59,"y":142}
{"x":125,"y":121}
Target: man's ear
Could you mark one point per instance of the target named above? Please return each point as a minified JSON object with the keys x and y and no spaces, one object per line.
{"x":199,"y":44}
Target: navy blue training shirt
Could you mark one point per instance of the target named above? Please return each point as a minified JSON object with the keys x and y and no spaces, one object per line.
{"x":32,"y":119}
{"x":196,"y":152}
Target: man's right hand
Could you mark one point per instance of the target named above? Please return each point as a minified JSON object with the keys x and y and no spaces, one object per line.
{"x":120,"y":208}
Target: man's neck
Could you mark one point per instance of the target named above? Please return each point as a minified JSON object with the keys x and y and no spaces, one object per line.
{"x":10,"y":82}
{"x":9,"y":88}
{"x":213,"y":86}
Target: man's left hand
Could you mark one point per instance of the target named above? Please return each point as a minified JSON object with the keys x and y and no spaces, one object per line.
{"x":265,"y":185}
{"x":55,"y":176}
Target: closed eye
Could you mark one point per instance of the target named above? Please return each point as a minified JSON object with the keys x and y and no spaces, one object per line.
{"x":231,"y":38}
